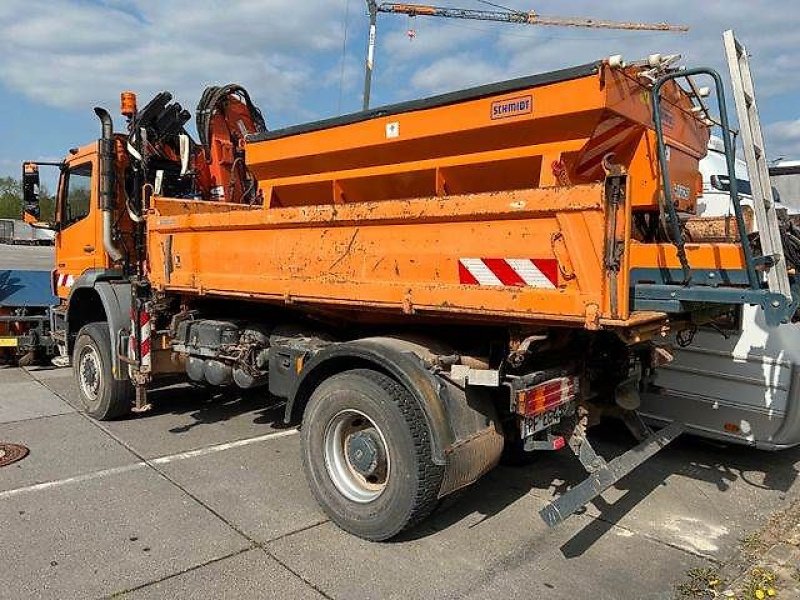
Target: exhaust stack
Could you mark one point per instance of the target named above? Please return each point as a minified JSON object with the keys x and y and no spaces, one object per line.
{"x":107,"y":182}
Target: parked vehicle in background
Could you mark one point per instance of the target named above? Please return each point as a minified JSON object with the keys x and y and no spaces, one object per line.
{"x":785,"y":177}
{"x":743,"y":387}
{"x":26,"y":297}
{"x":18,"y":232}
{"x":26,"y":289}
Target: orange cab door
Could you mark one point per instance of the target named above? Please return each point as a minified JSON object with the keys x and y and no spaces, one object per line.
{"x":78,"y":243}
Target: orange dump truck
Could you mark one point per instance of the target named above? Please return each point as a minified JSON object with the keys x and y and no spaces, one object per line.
{"x":428,"y":286}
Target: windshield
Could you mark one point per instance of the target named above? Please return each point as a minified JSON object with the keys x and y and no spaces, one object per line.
{"x":723,"y":184}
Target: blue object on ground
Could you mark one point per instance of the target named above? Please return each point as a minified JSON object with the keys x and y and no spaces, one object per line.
{"x":26,"y":288}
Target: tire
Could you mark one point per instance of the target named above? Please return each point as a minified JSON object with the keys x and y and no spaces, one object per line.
{"x":101,"y":396}
{"x":366,"y":410}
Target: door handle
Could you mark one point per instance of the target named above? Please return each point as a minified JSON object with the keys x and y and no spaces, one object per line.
{"x":88,"y":249}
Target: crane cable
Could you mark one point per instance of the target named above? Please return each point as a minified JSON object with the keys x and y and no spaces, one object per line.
{"x":500,"y":6}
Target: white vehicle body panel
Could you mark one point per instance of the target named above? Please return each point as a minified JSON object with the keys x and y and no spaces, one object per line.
{"x":743,"y":389}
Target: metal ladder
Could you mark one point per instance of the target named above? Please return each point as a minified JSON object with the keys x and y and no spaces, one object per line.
{"x":753,"y":141}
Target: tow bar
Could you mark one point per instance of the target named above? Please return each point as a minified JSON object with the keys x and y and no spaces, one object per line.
{"x":602,"y":474}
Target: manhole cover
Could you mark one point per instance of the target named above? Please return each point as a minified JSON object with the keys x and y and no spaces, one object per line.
{"x":11,"y":453}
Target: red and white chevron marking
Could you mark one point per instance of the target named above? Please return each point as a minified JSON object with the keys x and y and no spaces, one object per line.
{"x":145,"y":331}
{"x":64,"y":280}
{"x":500,"y":272}
{"x":610,"y":134}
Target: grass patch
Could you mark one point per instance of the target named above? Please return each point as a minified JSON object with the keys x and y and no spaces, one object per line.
{"x":702,"y":583}
{"x":760,"y":584}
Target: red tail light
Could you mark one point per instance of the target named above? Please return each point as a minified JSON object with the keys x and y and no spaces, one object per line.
{"x":546,"y":396}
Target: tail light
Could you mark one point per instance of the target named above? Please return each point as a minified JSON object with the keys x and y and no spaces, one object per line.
{"x":540,"y":398}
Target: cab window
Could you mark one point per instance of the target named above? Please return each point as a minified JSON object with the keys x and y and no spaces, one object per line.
{"x":78,"y":193}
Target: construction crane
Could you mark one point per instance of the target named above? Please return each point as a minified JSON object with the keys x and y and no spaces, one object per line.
{"x":506,"y":16}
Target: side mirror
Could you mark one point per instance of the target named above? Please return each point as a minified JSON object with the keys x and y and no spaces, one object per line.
{"x":30,"y":192}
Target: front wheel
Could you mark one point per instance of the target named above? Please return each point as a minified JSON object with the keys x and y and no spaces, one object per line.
{"x":102,"y":396}
{"x":367,"y":455}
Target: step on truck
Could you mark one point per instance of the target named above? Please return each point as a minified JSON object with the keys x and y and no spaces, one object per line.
{"x":428,"y":285}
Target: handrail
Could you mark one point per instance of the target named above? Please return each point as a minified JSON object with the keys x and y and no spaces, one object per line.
{"x":730,"y":160}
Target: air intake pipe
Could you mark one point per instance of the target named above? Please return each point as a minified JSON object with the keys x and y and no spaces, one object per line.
{"x":107,"y":183}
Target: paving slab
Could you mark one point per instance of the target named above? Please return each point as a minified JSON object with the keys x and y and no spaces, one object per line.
{"x":248,"y":575}
{"x":28,"y":399}
{"x":46,"y":372}
{"x":700,"y":497}
{"x":60,"y":447}
{"x":259,"y":488}
{"x":696,"y":495}
{"x":185,"y":418}
{"x":474,"y":548}
{"x":104,"y":536}
{"x":9,"y":374}
{"x":34,"y":258}
{"x":60,"y":382}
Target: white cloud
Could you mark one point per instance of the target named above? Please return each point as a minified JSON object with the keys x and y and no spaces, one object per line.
{"x":783,"y":139}
{"x":75,"y":53}
{"x":69,"y":53}
{"x":449,"y":73}
{"x":771,"y":32}
{"x":450,"y":54}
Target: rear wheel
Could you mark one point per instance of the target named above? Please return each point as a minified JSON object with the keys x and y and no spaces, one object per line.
{"x":367,"y":455}
{"x":102,"y":396}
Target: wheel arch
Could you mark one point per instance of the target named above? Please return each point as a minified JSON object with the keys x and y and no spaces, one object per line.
{"x":92,"y":301}
{"x":392,"y":357}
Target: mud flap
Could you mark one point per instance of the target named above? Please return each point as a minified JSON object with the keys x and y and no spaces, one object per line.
{"x":606,"y":474}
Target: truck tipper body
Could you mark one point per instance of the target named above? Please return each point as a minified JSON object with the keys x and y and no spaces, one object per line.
{"x":428,"y":285}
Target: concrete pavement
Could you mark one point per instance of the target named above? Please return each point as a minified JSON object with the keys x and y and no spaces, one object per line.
{"x":34,"y":258}
{"x":205,"y":497}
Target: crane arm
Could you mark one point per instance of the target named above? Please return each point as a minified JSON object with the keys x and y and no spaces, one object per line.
{"x":520,"y":17}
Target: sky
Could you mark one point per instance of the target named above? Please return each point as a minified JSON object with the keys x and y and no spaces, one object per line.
{"x":302,"y":60}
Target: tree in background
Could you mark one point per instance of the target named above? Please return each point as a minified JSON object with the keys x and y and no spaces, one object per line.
{"x":11,"y":200}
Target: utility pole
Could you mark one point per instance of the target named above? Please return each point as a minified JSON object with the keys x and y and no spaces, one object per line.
{"x":508,"y":16}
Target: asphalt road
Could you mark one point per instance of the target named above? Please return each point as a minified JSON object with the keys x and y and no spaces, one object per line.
{"x":205,"y":497}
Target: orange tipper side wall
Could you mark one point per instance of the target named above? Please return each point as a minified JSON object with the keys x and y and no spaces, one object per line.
{"x":446,"y":210}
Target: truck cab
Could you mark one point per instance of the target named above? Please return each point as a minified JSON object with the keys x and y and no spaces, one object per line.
{"x":715,"y":200}
{"x":79,"y":245}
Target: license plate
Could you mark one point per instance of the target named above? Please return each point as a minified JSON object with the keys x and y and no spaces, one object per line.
{"x":8,"y":342}
{"x":546,"y":419}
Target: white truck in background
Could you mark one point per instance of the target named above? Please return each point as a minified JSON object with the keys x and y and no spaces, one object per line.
{"x":18,"y":232}
{"x":743,"y":387}
{"x":785,"y":177}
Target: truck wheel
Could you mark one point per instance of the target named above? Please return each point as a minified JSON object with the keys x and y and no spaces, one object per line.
{"x":102,"y":396}
{"x":367,"y":455}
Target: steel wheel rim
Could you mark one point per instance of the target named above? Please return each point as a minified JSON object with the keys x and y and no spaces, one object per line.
{"x":344,"y":474}
{"x":90,"y":373}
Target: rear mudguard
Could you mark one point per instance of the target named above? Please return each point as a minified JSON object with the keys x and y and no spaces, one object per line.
{"x":465,"y":433}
